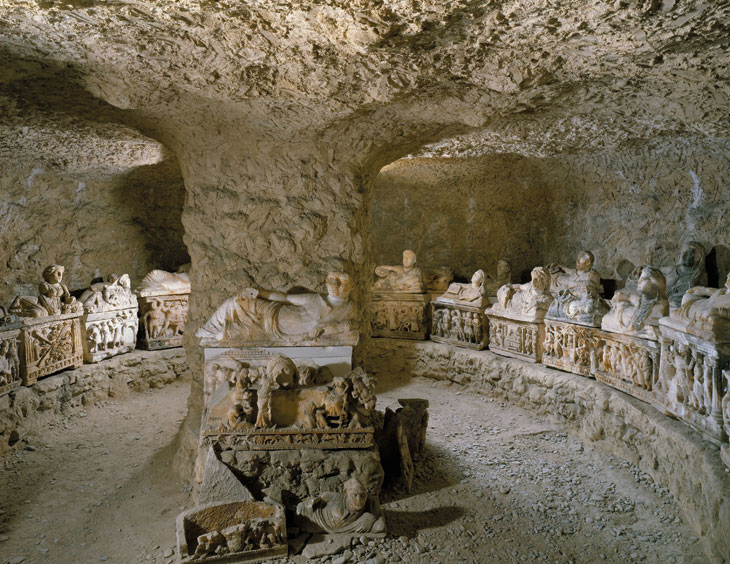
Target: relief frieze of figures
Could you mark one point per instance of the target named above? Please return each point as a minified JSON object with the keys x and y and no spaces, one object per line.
{"x":630,"y":365}
{"x":516,"y":338}
{"x":569,"y":347}
{"x":10,"y":377}
{"x":114,"y":335}
{"x":459,"y":326}
{"x":693,"y":385}
{"x":285,"y":408}
{"x":163,"y":320}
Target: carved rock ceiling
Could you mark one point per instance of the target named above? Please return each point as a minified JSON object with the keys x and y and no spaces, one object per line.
{"x":80,"y":78}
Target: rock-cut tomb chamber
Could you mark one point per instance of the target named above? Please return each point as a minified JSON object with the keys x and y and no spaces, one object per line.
{"x":270,"y":143}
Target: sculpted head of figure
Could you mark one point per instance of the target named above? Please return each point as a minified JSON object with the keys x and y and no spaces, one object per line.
{"x":477,"y":279}
{"x":355,"y":494}
{"x":504,"y":269}
{"x":339,"y":285}
{"x":652,"y":283}
{"x":693,"y":255}
{"x":584,"y":261}
{"x":540,"y":279}
{"x":409,"y":259}
{"x":53,"y":274}
{"x":281,"y":370}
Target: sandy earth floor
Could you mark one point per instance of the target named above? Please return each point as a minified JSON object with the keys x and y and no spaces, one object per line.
{"x":496,"y":484}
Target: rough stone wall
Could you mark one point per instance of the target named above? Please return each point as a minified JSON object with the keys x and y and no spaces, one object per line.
{"x":465,"y":213}
{"x":634,"y":205}
{"x":93,"y":225}
{"x":666,"y":449}
{"x":31,"y":409}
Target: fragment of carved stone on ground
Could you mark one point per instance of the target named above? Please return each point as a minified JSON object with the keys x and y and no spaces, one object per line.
{"x":238,"y":531}
{"x":402,"y":437}
{"x":352,"y":511}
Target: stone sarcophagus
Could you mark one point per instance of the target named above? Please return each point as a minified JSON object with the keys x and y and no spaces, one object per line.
{"x":50,"y":328}
{"x":516,"y":320}
{"x":629,"y":356}
{"x":571,"y":341}
{"x":458,"y":314}
{"x":163,"y":309}
{"x":399,"y":302}
{"x":110,"y":321}
{"x":10,"y":346}
{"x":239,"y":531}
{"x":695,"y":353}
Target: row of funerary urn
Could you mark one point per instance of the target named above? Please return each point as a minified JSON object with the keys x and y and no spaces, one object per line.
{"x":40,"y":335}
{"x":664,"y":338}
{"x":278,"y":374}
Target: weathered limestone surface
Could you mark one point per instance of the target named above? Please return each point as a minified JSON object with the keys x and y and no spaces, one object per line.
{"x":673,"y":454}
{"x":31,"y":409}
{"x":128,"y":221}
{"x":633,"y":205}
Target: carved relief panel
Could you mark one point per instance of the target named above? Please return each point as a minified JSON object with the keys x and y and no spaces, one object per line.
{"x":570,"y":347}
{"x":109,"y":333}
{"x":286,"y":406}
{"x":691,"y":382}
{"x":401,"y":316}
{"x":10,"y":377}
{"x":162,"y":321}
{"x":459,"y":325}
{"x":50,"y":344}
{"x":516,"y":338}
{"x":629,"y":364}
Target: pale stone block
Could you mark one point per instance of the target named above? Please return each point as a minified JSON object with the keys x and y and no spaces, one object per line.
{"x":458,"y":314}
{"x":570,"y":347}
{"x":110,"y":322}
{"x":692,"y":381}
{"x":399,"y":315}
{"x":239,"y":531}
{"x":516,"y":325}
{"x":163,"y":309}
{"x":629,"y":364}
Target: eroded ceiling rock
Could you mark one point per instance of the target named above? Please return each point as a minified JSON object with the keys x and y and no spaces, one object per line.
{"x":596,"y":72}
